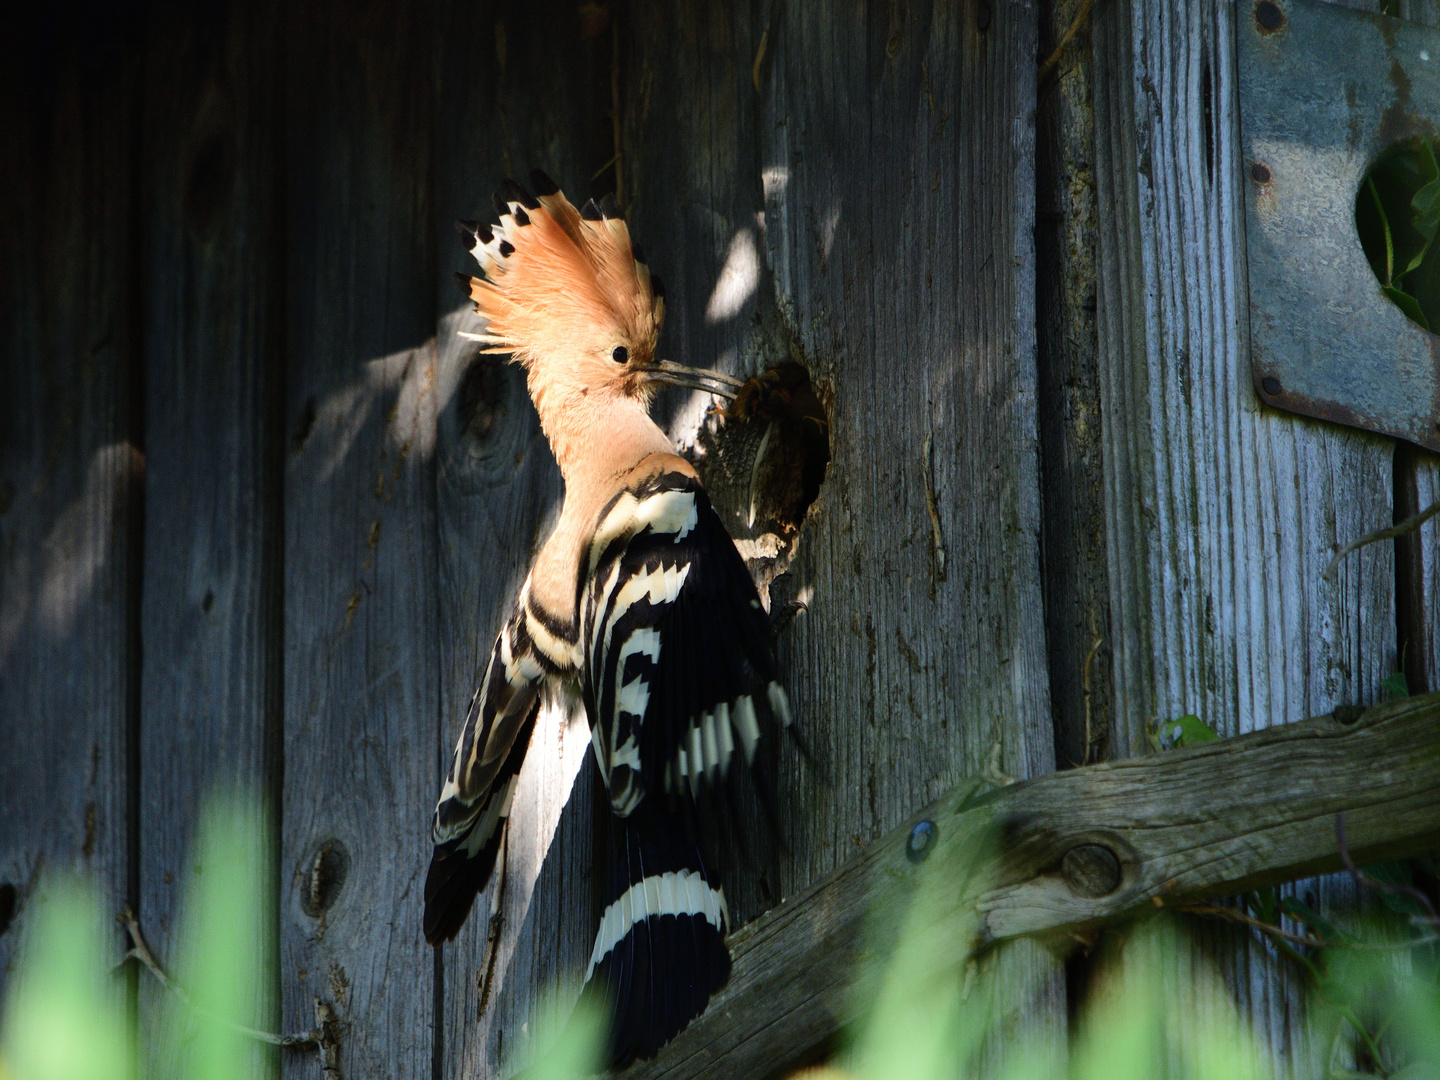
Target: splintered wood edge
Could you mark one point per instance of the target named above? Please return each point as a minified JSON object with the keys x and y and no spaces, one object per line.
{"x":1184,"y":826}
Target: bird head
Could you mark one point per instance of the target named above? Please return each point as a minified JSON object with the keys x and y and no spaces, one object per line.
{"x":569,"y":296}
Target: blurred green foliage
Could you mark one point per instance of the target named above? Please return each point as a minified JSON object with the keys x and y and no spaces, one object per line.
{"x":65,"y":1016}
{"x":928,"y":1007}
{"x":1187,"y":730}
{"x":1397,"y":213}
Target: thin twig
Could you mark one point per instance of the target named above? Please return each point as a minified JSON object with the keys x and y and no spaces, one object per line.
{"x":322,"y":1036}
{"x":1410,"y":524}
{"x":1234,"y":915}
{"x":1366,"y":881}
{"x":1074,"y":28}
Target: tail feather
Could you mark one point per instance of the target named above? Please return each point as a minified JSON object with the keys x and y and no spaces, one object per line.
{"x":660,"y":951}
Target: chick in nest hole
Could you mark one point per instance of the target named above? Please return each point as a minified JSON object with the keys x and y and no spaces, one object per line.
{"x":763,"y":460}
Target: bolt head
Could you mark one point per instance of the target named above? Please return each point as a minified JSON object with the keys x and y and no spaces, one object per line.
{"x":921,"y":841}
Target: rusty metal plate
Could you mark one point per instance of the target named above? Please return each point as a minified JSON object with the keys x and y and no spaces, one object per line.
{"x":1323,"y":90}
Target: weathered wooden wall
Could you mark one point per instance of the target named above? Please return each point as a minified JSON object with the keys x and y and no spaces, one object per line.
{"x":261,"y":510}
{"x":1221,"y":514}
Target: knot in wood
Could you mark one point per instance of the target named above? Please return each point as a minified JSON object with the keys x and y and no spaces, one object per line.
{"x":1091,"y":870}
{"x":325,"y":876}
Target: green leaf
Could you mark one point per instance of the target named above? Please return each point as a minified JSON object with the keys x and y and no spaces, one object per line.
{"x":1408,"y":304}
{"x":1425,"y":205}
{"x":1396,"y":873}
{"x":1187,"y":730}
{"x":224,"y":947}
{"x":1389,"y":264}
{"x":1263,"y":903}
{"x":64,"y":1019}
{"x":1395,"y":685}
{"x":1323,"y":927}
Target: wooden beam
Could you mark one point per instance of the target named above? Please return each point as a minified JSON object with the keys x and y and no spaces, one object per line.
{"x":1180,"y":826}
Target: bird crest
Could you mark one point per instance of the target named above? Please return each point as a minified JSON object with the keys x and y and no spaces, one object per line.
{"x":561,"y":283}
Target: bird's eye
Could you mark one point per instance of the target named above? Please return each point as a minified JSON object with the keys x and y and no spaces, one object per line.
{"x":620,"y":355}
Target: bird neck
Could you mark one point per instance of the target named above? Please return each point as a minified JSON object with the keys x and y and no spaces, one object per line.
{"x":596,"y":437}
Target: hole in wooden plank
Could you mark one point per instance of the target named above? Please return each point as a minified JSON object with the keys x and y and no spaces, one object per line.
{"x":324,"y":876}
{"x":763,"y":461}
{"x":1397,"y":214}
{"x":9,"y":901}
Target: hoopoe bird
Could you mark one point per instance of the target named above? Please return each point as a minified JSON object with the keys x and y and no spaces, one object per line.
{"x":638,"y":600}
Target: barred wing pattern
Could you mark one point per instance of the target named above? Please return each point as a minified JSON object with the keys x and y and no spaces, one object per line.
{"x":686,"y":713}
{"x":474,"y":806}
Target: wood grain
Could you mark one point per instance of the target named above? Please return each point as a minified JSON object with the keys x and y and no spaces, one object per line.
{"x":514,"y":94}
{"x":361,"y":652}
{"x":213,"y":318}
{"x":1220,"y":514}
{"x":883,"y":169}
{"x":1176,"y":838}
{"x":71,"y":474}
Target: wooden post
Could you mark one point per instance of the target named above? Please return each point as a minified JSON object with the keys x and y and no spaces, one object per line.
{"x":71,"y":472}
{"x":361,"y":629}
{"x":210,"y":702}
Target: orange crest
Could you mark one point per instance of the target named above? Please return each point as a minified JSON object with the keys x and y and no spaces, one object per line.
{"x":560,"y":284}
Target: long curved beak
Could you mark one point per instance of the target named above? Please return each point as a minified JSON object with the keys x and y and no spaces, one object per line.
{"x":669,"y":373}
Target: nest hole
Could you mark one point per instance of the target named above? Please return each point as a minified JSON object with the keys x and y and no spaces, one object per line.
{"x":763,"y":461}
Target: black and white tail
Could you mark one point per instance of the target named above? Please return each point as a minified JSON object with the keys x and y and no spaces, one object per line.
{"x":660,"y":952}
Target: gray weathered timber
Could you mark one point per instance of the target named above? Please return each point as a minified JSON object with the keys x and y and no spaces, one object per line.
{"x":899,"y":219}
{"x":1220,"y":513}
{"x":513,"y":94}
{"x":1187,"y":825}
{"x":212,"y":321}
{"x":361,"y":659}
{"x":70,"y":470}
{"x":899,"y":224}
{"x":1076,"y":591}
{"x":879,"y":183}
{"x":1427,"y":588}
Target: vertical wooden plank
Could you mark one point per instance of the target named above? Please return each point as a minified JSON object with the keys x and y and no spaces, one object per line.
{"x":71,"y":471}
{"x":515,"y":92}
{"x":1220,"y":514}
{"x":898,"y":222}
{"x":210,"y":617}
{"x":361,"y":662}
{"x":893,"y":160}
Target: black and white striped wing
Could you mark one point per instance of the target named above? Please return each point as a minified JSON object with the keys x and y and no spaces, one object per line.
{"x":681,"y":685}
{"x":474,"y":804}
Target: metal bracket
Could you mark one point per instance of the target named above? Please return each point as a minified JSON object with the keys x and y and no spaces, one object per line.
{"x":1323,"y":90}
